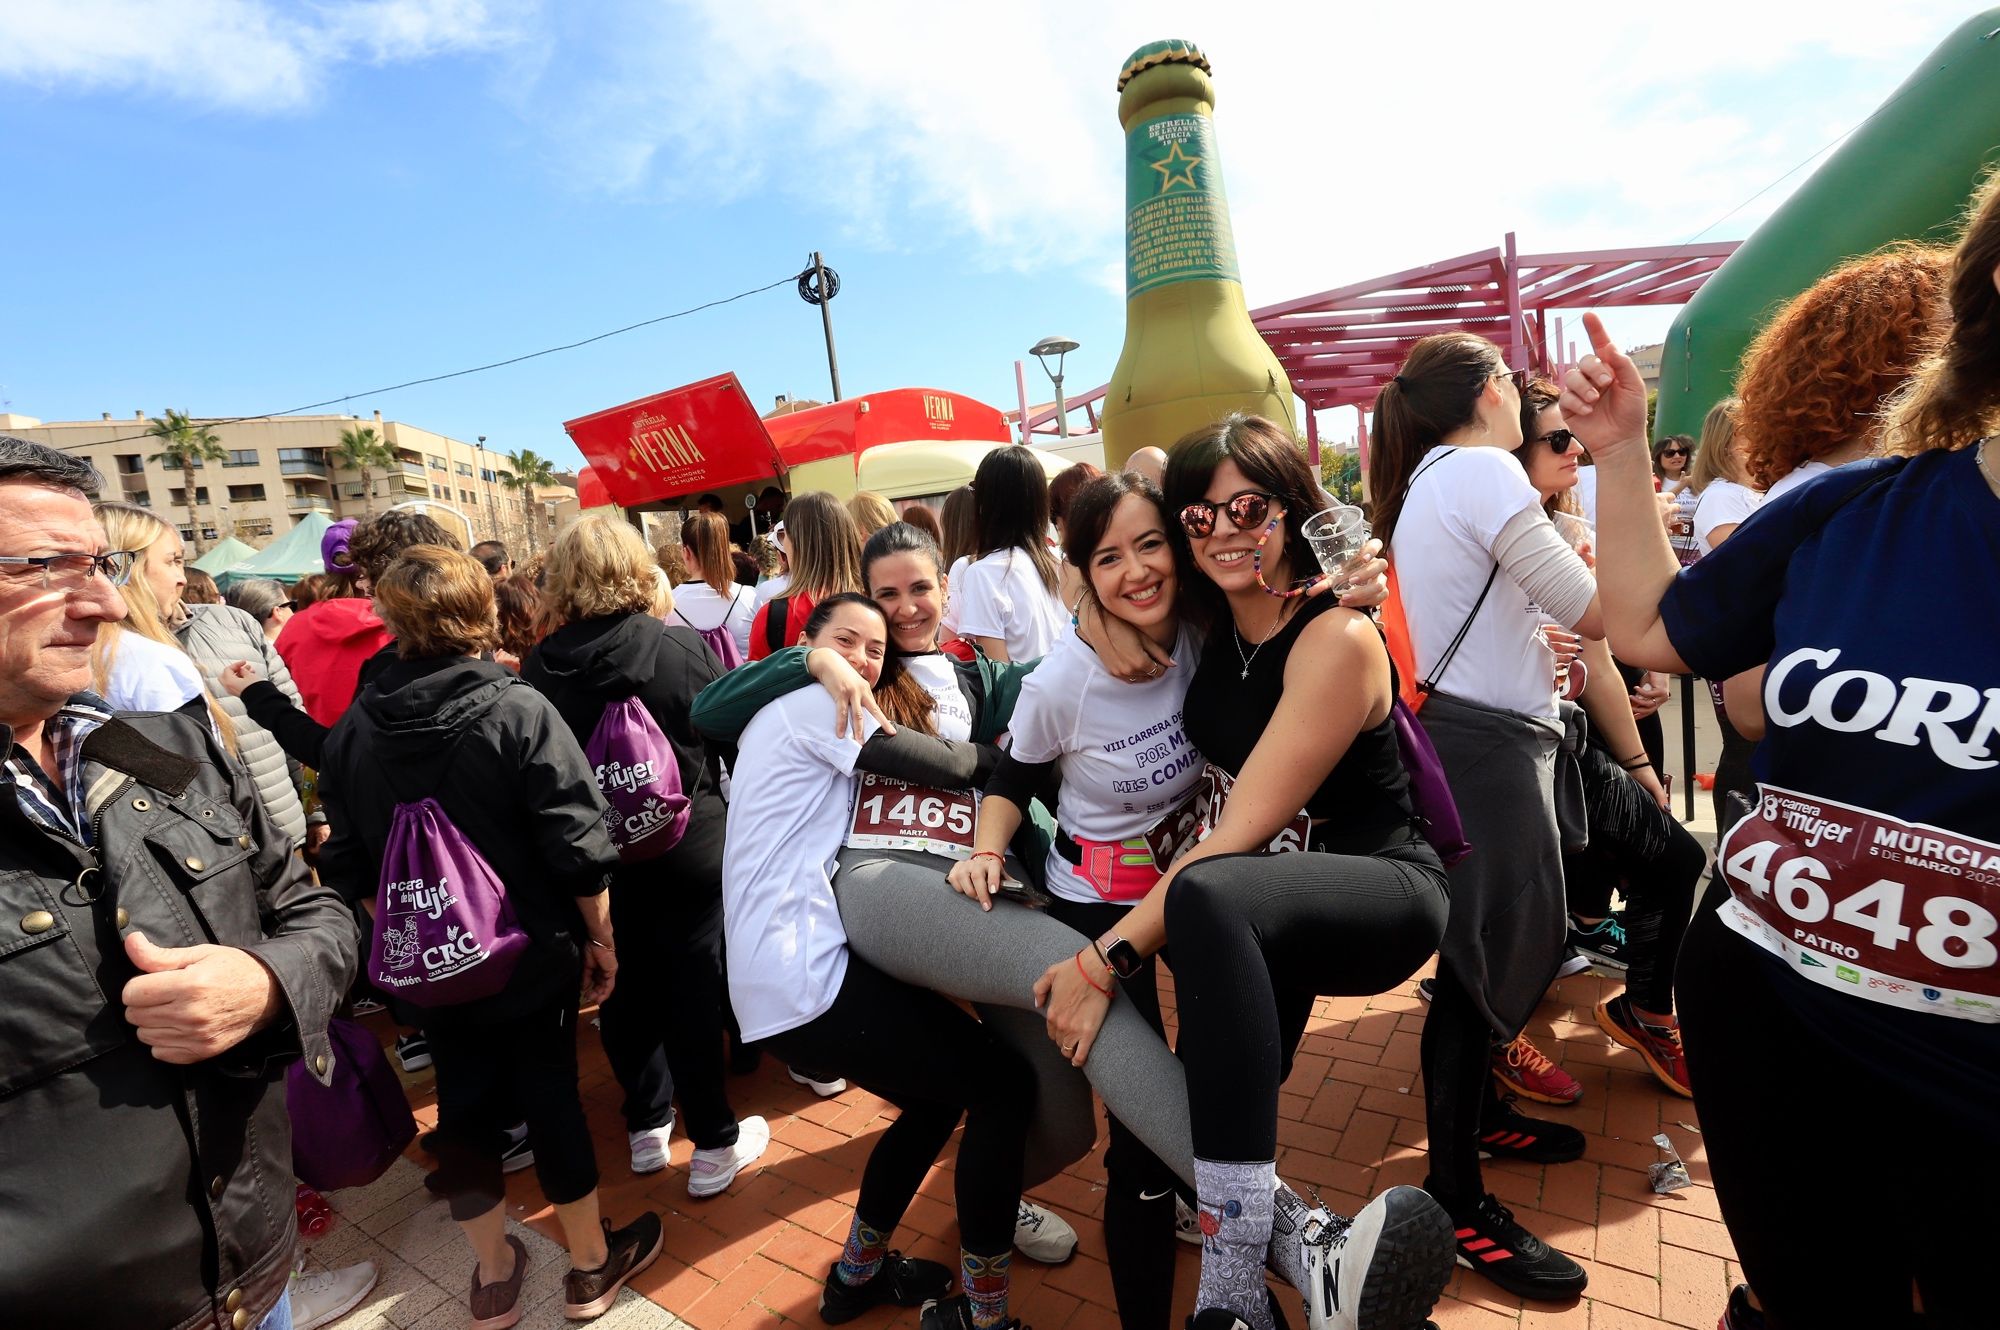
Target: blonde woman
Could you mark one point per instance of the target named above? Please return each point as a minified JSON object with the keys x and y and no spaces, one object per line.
{"x":824,"y":547}
{"x":1724,"y":493}
{"x":201,"y":641}
{"x":871,"y":512}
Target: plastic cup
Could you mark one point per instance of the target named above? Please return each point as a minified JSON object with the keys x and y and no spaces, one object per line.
{"x":1336,"y":535}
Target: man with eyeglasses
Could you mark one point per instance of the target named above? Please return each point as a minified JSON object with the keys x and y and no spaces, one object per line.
{"x":163,"y":956}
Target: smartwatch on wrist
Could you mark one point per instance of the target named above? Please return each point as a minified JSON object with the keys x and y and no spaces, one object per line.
{"x":1124,"y":958}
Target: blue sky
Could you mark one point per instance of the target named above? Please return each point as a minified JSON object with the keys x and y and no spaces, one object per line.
{"x":231,"y":206}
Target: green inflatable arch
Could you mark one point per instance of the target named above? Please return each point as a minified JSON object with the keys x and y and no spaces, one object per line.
{"x":1906,"y":174}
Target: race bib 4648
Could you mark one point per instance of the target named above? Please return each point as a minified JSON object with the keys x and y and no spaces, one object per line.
{"x":1861,"y":902}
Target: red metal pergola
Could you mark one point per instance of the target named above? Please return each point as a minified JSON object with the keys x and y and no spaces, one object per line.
{"x":1338,"y":347}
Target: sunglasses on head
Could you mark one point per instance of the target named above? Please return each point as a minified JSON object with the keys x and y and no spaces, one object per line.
{"x":1560,"y":441}
{"x":1251,"y":508}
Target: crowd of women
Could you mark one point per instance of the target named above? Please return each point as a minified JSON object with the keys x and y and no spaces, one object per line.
{"x":927,"y":809}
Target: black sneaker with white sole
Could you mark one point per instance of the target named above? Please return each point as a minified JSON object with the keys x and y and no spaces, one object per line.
{"x":1506,"y":1134}
{"x":413,"y":1051}
{"x":1490,"y":1242}
{"x":954,"y":1313}
{"x":1602,"y":944}
{"x":1382,"y":1270}
{"x":903,"y":1281}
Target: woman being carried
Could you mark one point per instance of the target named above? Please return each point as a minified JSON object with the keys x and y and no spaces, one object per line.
{"x":795,"y":984}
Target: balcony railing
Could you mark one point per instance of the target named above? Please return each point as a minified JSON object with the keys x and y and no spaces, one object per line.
{"x":299,"y":503}
{"x":303,"y":467}
{"x":132,"y":482}
{"x":416,"y":484}
{"x":417,"y":469}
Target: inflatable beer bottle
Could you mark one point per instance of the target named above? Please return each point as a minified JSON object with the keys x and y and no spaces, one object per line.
{"x":1191,"y":354}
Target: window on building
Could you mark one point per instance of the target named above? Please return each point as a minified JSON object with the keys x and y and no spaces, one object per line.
{"x":132,"y":464}
{"x":467,"y":496}
{"x":439,"y":464}
{"x":254,"y":528}
{"x":140,"y":497}
{"x":486,"y":474}
{"x":242,"y":457}
{"x":246,"y":493}
{"x":463,"y":468}
{"x":179,"y":494}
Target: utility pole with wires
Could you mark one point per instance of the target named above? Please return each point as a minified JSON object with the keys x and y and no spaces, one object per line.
{"x":818,"y":285}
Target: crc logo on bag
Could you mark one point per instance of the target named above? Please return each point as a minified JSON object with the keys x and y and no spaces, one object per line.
{"x":444,"y":931}
{"x":1896,"y":912}
{"x":646,"y":814}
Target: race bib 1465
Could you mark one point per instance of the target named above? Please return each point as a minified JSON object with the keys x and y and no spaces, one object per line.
{"x":891,"y":815}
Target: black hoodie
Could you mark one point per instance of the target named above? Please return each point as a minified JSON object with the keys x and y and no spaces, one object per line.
{"x":513,"y":780}
{"x":581,"y":667}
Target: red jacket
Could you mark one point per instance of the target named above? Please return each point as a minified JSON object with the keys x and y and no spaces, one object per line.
{"x":324,"y":645}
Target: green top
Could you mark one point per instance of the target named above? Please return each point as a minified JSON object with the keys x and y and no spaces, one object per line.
{"x":1173,"y":51}
{"x":724,"y":707}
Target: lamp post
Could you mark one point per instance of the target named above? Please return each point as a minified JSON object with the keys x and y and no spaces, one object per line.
{"x":1057,"y":347}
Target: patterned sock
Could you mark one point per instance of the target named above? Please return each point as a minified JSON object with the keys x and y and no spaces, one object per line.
{"x":984,"y":1279}
{"x":862,"y":1256}
{"x":1235,"y":1203}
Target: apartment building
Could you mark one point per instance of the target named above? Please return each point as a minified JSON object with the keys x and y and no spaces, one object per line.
{"x":281,"y":468}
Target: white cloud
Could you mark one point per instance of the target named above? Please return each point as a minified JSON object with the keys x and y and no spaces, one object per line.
{"x":1355,"y":140}
{"x":238,"y":54}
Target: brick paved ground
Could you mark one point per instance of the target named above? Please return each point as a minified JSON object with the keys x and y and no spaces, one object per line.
{"x":1351,"y":1124}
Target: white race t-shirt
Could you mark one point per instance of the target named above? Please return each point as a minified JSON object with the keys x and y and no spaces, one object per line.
{"x":1457,"y":506}
{"x":769,"y":590}
{"x":952,"y":578}
{"x":1002,"y":596}
{"x":699,"y":607}
{"x":792,"y":798}
{"x":149,"y":676}
{"x":1126,"y":760}
{"x":1800,"y":474}
{"x":951,"y":713}
{"x":1723,"y":503}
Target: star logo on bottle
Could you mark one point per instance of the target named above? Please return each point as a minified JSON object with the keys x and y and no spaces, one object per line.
{"x":1177,"y":167}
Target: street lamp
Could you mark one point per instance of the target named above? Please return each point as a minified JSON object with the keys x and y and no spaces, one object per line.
{"x":1057,"y":347}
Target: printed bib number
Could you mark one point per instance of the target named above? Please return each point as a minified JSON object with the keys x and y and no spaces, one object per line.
{"x":892,"y":815}
{"x":1896,"y":912}
{"x":1213,"y":792}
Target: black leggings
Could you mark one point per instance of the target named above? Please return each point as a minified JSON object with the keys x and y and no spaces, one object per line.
{"x":935,"y":1063}
{"x":1456,"y":1053}
{"x":1138,"y":1189}
{"x":663,"y":1022}
{"x":1255,"y":938}
{"x":488,"y":1078}
{"x":1655,"y":862}
{"x":1851,"y":1144}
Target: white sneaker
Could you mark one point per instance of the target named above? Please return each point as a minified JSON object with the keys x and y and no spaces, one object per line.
{"x":713,"y":1170}
{"x":1043,"y":1235}
{"x":1386,"y":1266}
{"x":824,"y":1089}
{"x":1187,"y":1224}
{"x":329,"y":1295}
{"x":649,"y":1148}
{"x":1572,"y":965}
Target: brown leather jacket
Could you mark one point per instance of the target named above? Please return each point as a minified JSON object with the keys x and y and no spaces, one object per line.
{"x":140,"y":1194}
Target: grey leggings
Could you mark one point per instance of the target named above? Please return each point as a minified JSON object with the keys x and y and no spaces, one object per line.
{"x":902,"y":917}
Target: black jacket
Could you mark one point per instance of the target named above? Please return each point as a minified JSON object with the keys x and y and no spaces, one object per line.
{"x":582,"y":666}
{"x":302,"y":737}
{"x":499,"y":760}
{"x":140,"y":1194}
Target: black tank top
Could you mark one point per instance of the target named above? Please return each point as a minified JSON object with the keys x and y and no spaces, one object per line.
{"x":1367,"y":794}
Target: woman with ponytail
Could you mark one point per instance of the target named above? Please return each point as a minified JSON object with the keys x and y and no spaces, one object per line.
{"x":1480,"y":567}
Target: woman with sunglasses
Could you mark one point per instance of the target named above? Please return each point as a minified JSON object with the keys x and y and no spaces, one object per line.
{"x":1311,"y":878}
{"x":1481,"y":569}
{"x":1636,"y":845}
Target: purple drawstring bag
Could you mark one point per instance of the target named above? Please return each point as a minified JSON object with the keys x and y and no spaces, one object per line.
{"x":347,"y":1133}
{"x":445,"y":932}
{"x":1430,"y":792}
{"x":646,"y":813}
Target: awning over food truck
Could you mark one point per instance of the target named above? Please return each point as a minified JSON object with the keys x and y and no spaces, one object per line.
{"x":707,"y":437}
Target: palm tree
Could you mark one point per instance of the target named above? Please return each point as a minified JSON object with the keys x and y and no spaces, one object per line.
{"x":186,"y":445}
{"x":361,"y":449}
{"x":525,"y":470}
